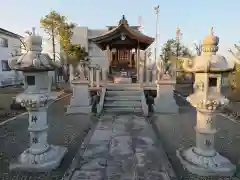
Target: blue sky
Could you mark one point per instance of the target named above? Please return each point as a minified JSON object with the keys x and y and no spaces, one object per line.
{"x":193,"y":17}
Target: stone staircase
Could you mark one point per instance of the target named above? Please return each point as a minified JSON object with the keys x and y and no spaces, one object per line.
{"x":122,"y":98}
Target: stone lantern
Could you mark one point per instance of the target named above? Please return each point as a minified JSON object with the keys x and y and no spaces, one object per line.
{"x":209,"y":69}
{"x":40,"y":156}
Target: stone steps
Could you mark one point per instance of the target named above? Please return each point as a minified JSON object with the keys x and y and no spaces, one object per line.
{"x":117,"y":109}
{"x":121,"y":103}
{"x":122,"y":98}
{"x":122,"y":93}
{"x":123,"y":88}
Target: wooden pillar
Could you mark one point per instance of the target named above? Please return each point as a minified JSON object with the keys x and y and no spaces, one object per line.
{"x":108,"y":57}
{"x":118,"y":55}
{"x":111,"y":55}
{"x":130,"y":56}
{"x":138,"y":59}
{"x":107,"y":53}
{"x":135,"y":59}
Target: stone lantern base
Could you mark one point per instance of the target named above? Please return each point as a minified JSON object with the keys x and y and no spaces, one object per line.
{"x":46,"y":161}
{"x":216,"y":165}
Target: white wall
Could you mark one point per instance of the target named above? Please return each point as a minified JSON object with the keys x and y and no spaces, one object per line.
{"x":82,"y":35}
{"x":5,"y":54}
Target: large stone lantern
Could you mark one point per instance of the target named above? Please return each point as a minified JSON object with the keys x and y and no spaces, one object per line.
{"x":209,"y":69}
{"x":40,"y":156}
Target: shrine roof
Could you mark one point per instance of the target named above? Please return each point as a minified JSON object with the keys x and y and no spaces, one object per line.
{"x":133,"y":27}
{"x":130,"y":31}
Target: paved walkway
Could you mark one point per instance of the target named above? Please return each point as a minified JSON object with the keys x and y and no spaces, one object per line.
{"x":121,"y":147}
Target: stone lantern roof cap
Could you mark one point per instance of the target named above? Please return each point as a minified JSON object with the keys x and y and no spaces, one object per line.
{"x":209,"y":61}
{"x":210,"y":39}
{"x":33,"y":60}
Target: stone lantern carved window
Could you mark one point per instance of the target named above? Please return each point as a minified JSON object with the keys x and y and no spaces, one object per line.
{"x":34,"y":140}
{"x":212,"y":82}
{"x":30,"y":80}
{"x":208,"y":143}
{"x":34,"y":119}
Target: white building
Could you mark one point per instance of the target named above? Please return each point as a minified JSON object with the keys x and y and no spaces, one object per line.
{"x":82,"y":36}
{"x":9,"y":44}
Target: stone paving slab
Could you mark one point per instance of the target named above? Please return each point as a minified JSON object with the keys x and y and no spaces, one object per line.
{"x":122,"y":147}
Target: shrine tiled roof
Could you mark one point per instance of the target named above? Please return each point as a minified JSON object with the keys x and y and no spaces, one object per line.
{"x":123,"y":26}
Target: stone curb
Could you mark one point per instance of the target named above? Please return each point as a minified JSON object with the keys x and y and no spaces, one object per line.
{"x":70,"y":171}
{"x":170,"y":172}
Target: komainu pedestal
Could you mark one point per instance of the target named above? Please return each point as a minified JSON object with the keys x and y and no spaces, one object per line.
{"x":165,"y":102}
{"x":80,"y":101}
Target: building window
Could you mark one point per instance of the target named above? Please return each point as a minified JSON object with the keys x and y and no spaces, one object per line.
{"x":3,"y":42}
{"x":5,"y":66}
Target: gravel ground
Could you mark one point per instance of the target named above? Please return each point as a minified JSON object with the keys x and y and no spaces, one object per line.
{"x":6,"y":95}
{"x":67,"y":131}
{"x":177,"y":131}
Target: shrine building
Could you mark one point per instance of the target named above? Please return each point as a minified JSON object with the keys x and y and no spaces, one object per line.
{"x":122,"y":45}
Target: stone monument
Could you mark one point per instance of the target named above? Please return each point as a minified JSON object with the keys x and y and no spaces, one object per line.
{"x":165,"y":102}
{"x":80,"y":101}
{"x":40,"y":156}
{"x":203,"y":159}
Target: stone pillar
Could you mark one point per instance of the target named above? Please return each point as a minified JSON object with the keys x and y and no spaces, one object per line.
{"x":91,"y":76}
{"x":148,"y":75}
{"x":71,"y":73}
{"x":38,"y":131}
{"x":104,"y":76}
{"x":98,"y":76}
{"x":141,"y":74}
{"x":158,"y":91}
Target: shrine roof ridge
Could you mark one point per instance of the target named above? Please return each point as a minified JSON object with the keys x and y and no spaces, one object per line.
{"x":123,"y":27}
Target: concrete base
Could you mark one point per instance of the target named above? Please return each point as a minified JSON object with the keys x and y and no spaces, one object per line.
{"x":216,"y":165}
{"x":78,"y":109}
{"x":47,"y":161}
{"x":165,"y":102}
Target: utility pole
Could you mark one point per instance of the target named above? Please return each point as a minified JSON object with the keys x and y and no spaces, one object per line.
{"x":178,"y":36}
{"x":156,"y":9}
